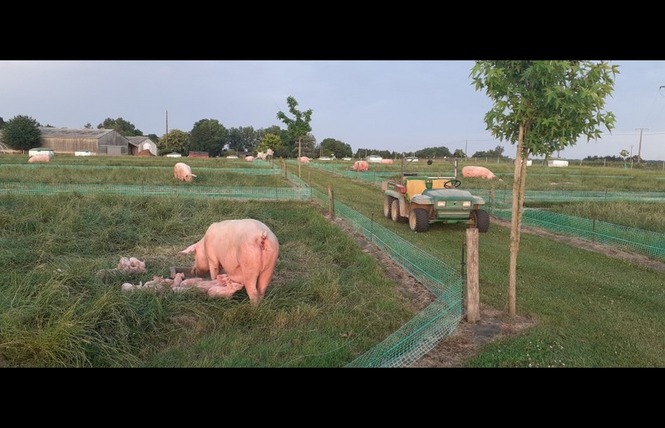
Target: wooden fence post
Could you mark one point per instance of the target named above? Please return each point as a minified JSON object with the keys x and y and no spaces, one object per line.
{"x":331,"y":202}
{"x":472,"y":301}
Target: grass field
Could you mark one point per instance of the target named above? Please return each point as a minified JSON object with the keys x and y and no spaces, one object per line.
{"x":329,"y":301}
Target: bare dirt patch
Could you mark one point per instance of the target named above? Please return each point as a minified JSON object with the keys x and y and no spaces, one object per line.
{"x":469,"y":338}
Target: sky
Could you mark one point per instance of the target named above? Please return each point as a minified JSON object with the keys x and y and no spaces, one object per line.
{"x":394,"y":105}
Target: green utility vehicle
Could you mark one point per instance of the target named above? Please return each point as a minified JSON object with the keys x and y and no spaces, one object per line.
{"x":425,"y":200}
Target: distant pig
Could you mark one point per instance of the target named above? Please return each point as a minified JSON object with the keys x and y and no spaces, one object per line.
{"x":478,"y":172}
{"x":183,"y":172}
{"x":360,"y":165}
{"x":39,"y":159}
{"x":246,"y":249}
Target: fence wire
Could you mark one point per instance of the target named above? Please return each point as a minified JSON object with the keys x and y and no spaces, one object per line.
{"x":438,"y":320}
{"x":641,"y":241}
{"x":248,"y":193}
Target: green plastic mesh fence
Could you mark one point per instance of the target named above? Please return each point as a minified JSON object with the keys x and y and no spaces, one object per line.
{"x":415,"y":338}
{"x":502,"y":198}
{"x":442,"y":316}
{"x":438,"y":320}
{"x":251,"y":193}
{"x":629,"y":238}
{"x":372,"y":176}
{"x":265,"y":170}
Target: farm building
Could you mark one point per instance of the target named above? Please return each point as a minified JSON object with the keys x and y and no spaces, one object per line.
{"x":142,"y":146}
{"x":99,"y":141}
{"x":198,"y":155}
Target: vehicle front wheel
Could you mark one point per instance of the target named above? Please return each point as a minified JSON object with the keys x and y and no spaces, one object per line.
{"x":387,"y":201}
{"x":481,"y":220}
{"x":419,"y":220}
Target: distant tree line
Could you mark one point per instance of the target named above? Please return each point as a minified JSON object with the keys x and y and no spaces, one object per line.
{"x":431,"y":153}
{"x":207,"y":135}
{"x":610,"y":158}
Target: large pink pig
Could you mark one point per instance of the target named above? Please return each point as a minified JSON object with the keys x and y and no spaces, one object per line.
{"x":360,"y":165}
{"x":477,"y":172}
{"x":183,"y":172}
{"x":39,"y":159}
{"x":246,"y":249}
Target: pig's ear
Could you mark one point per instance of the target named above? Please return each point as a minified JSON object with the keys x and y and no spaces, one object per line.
{"x":190,"y":249}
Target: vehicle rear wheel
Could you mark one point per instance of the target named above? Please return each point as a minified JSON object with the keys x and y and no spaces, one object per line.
{"x":394,"y":211}
{"x":419,"y":220}
{"x":481,"y":220}
{"x":387,"y":201}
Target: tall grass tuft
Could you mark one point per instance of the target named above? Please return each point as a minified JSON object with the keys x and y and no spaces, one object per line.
{"x":62,"y":304}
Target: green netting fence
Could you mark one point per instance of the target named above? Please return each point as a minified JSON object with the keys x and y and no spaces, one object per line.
{"x":244,"y":193}
{"x":438,"y":320}
{"x":503,"y":197}
{"x":640,"y":241}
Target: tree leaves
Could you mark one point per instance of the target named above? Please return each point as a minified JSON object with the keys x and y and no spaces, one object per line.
{"x":21,"y":133}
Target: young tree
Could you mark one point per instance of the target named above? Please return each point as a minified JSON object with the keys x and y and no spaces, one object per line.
{"x":298,"y":126}
{"x":21,"y":133}
{"x":543,"y":106}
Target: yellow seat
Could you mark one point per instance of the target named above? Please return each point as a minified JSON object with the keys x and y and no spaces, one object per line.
{"x":415,"y":187}
{"x":438,"y":183}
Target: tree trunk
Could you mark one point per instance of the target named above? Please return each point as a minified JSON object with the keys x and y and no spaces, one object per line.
{"x":299,"y":155}
{"x":519,"y":185}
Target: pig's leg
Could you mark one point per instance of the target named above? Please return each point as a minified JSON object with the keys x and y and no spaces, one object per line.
{"x":213,"y":266}
{"x":250,"y":281}
{"x":262,"y":284}
{"x":250,"y":288}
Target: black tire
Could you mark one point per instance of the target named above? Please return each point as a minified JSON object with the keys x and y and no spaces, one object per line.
{"x":419,"y":220}
{"x":481,"y":220}
{"x":394,"y":211}
{"x":387,"y":201}
{"x":452,"y":184}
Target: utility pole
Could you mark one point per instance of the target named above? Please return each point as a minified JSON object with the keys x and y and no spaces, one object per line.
{"x":166,"y":136}
{"x":639,"y":147}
